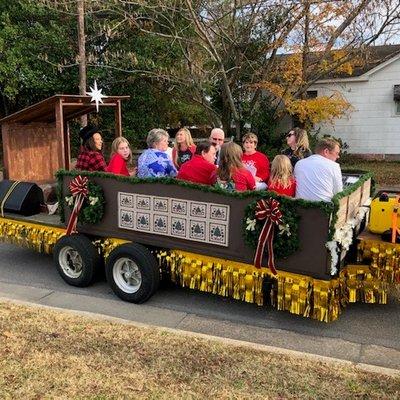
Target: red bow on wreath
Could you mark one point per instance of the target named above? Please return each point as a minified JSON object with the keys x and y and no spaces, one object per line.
{"x":267,"y":210}
{"x":79,"y":190}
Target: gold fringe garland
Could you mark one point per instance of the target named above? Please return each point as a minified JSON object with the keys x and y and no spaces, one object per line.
{"x":107,"y":245}
{"x":384,"y":259}
{"x":42,"y":238}
{"x":37,"y":237}
{"x":300,"y":295}
{"x":360,"y":285}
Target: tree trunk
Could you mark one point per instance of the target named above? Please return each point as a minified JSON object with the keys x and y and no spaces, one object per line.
{"x":82,"y":53}
{"x":238,"y":130}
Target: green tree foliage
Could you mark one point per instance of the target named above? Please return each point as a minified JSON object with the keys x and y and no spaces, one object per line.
{"x":38,"y":58}
{"x":33,"y":41}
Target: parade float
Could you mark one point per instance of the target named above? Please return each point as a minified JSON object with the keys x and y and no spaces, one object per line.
{"x":309,"y":258}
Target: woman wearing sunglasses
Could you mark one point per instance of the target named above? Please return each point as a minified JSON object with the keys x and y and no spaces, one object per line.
{"x":299,"y":148}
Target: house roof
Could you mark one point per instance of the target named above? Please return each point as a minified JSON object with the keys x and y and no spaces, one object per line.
{"x":371,"y":58}
{"x":73,"y":106}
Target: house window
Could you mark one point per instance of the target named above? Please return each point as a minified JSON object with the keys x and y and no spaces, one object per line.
{"x":397,"y":107}
{"x":396,"y":97}
{"x":312,"y":94}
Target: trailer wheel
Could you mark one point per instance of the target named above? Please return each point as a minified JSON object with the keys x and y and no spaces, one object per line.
{"x":76,"y":259}
{"x":132,"y":272}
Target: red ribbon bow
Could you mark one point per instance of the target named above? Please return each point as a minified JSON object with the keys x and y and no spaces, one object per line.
{"x":79,"y":189}
{"x":267,"y":210}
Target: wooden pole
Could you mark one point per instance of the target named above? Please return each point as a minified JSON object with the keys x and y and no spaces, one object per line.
{"x":60,"y":134}
{"x":118,"y":119}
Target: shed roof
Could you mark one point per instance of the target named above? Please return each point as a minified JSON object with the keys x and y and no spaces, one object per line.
{"x":45,"y":111}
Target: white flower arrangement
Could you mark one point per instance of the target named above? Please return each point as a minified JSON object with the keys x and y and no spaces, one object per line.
{"x":250,"y":224}
{"x":333,"y":248}
{"x":284,"y":229}
{"x":69,"y":200}
{"x":343,"y":236}
{"x":93,"y":200}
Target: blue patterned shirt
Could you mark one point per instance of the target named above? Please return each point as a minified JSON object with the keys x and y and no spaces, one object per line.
{"x":153,"y":163}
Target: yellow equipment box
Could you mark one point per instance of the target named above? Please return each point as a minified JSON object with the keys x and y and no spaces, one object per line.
{"x":382,"y":208}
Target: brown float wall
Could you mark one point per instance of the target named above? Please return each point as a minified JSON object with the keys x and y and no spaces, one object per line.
{"x":311,"y":259}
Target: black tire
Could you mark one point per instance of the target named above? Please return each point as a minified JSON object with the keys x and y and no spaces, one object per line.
{"x":132,"y":272}
{"x":77,"y":259}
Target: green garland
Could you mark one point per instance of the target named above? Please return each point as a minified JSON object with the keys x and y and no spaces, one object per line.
{"x":284,"y":245}
{"x":92,"y":210}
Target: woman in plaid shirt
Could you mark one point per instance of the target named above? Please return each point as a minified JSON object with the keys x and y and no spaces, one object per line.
{"x":90,"y":157}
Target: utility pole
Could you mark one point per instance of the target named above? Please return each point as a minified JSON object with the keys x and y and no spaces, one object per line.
{"x":82,"y":53}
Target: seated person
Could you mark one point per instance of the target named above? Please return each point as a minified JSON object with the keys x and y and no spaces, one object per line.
{"x":281,"y":180}
{"x":232,"y":174}
{"x":121,"y":156}
{"x":184,"y":147}
{"x":256,"y":162}
{"x":217,"y":137}
{"x":200,"y":168}
{"x":298,"y":145}
{"x":90,"y":157}
{"x":154,"y":162}
{"x":318,"y":176}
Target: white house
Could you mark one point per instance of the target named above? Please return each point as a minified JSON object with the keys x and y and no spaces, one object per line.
{"x":372,"y":128}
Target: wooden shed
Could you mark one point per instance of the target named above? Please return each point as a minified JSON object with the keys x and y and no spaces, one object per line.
{"x":36,"y":139}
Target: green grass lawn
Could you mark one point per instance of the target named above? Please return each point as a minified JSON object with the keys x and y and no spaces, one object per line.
{"x":385,"y":173}
{"x":46,"y":354}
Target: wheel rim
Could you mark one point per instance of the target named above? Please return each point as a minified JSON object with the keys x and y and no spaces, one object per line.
{"x":127,"y":275}
{"x":70,"y":262}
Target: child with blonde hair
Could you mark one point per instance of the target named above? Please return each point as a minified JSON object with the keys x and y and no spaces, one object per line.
{"x":184,"y":147}
{"x":121,"y":155}
{"x":281,"y":179}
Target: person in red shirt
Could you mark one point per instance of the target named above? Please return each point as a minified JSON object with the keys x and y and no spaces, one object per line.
{"x":231,"y":174}
{"x":184,"y":148}
{"x":282,"y":180}
{"x":256,"y":162}
{"x":200,"y":168}
{"x":90,"y":157}
{"x":121,"y":155}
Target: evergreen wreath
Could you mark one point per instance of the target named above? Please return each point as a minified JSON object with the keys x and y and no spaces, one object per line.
{"x":92,"y":210}
{"x":286,"y":239}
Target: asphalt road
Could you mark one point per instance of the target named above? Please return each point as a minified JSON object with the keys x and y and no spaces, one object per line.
{"x":363,"y":334}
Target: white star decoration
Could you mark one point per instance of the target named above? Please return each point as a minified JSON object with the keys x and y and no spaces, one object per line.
{"x":96,"y":95}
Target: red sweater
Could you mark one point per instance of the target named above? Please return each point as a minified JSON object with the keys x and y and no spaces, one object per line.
{"x":259,"y":163}
{"x":117,"y":165}
{"x":242,"y":178}
{"x":197,"y":170}
{"x":289,"y":191}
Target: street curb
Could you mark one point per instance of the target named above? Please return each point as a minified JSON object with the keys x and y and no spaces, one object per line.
{"x":395,"y":373}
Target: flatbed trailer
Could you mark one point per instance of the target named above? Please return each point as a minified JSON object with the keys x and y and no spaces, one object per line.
{"x":307,"y":258}
{"x":202,"y":238}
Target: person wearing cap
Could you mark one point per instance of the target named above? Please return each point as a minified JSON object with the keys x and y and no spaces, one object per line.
{"x":90,"y":157}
